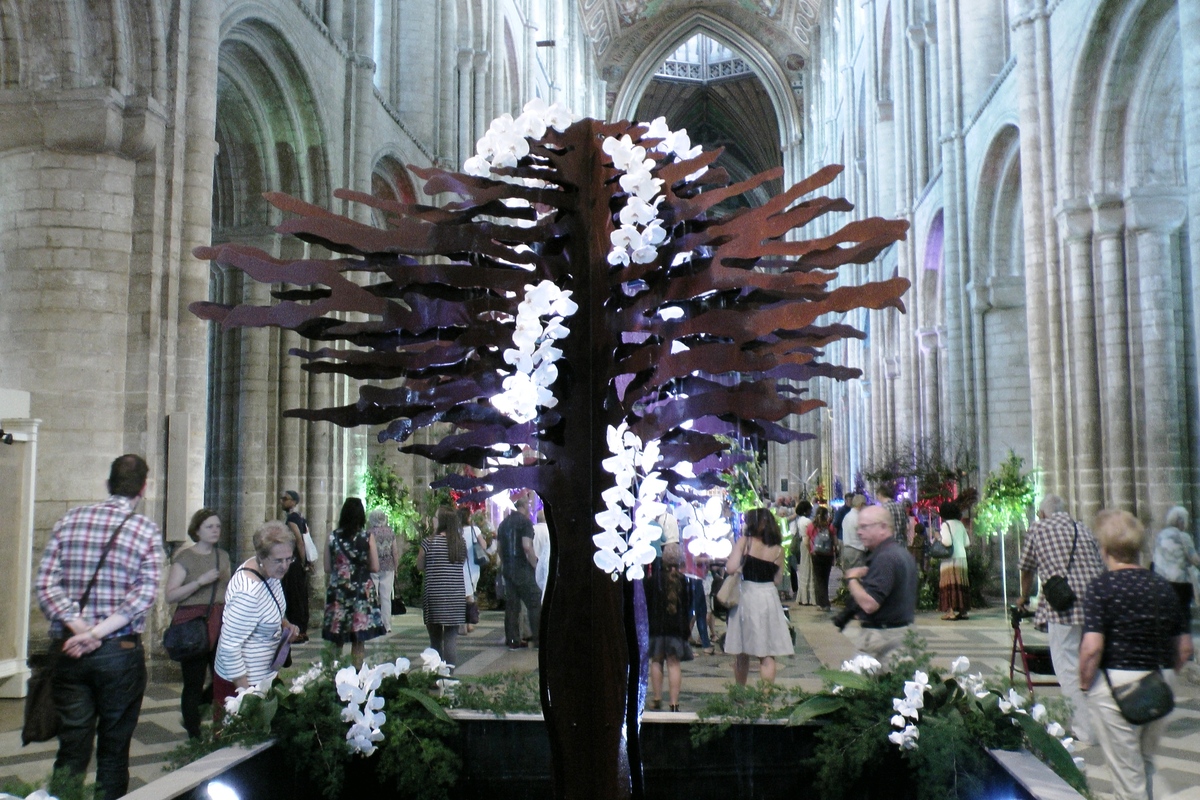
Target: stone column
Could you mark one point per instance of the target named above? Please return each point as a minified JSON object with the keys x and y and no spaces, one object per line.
{"x":929,"y":342}
{"x":1155,"y":220}
{"x":1109,"y":232}
{"x":466,"y":143}
{"x":1189,"y":35}
{"x":1084,"y":388}
{"x":920,"y":106}
{"x":1037,"y":281}
{"x":480,"y":62}
{"x":190,"y":390}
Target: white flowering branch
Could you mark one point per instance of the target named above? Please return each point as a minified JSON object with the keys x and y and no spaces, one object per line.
{"x":632,"y":505}
{"x":533,"y":352}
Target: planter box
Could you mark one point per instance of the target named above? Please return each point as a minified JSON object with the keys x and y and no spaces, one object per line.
{"x":509,"y":759}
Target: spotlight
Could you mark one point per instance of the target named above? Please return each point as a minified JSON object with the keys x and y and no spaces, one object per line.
{"x":220,"y":791}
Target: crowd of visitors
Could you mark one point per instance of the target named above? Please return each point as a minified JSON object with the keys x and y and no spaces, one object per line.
{"x":1114,"y":626}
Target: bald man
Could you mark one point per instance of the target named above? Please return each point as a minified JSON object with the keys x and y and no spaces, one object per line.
{"x":885,"y":589}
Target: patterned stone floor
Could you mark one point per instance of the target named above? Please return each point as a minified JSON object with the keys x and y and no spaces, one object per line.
{"x":985,"y":638}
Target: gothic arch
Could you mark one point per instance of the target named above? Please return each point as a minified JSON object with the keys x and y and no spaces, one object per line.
{"x":268,"y":128}
{"x":768,"y":71}
{"x":1124,"y":35}
{"x":1001,"y":352}
{"x":390,"y":180}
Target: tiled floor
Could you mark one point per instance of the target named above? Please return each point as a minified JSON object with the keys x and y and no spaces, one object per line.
{"x":985,"y":639}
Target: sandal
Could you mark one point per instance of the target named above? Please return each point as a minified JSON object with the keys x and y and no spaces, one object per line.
{"x":949,"y":617}
{"x":674,"y":706}
{"x":656,"y":703}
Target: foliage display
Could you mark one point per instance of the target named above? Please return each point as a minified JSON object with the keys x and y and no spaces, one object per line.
{"x":912,"y":718}
{"x":1008,"y":496}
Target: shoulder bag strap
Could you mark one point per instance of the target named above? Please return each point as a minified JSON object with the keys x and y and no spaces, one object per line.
{"x":87,"y":593}
{"x":270,"y":594}
{"x":213,"y":598}
{"x":1074,"y":542}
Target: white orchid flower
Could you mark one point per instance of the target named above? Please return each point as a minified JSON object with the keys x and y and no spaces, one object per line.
{"x":905,"y":708}
{"x":1055,"y":730}
{"x":656,"y":129}
{"x":905,"y":739}
{"x":960,"y":665}
{"x":430,"y":660}
{"x":899,"y":721}
{"x":639,"y":212}
{"x":1038,"y":712}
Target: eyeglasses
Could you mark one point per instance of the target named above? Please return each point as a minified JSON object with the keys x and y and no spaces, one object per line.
{"x":281,"y":561}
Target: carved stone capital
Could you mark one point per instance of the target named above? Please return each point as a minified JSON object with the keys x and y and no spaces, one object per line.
{"x":929,"y":339}
{"x":1156,"y":208}
{"x":1109,"y":213}
{"x":94,"y":120}
{"x":1075,"y":218}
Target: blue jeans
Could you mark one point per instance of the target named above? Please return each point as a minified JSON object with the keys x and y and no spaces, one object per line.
{"x":700,"y":609}
{"x":99,"y":698}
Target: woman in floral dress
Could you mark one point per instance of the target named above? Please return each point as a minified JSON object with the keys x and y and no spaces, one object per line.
{"x":352,"y":600}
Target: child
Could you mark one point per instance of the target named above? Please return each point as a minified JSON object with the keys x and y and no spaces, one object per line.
{"x":670,"y":605}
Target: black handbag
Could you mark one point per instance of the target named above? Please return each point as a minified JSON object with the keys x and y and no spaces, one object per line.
{"x":41,"y":720}
{"x":184,"y":641}
{"x":1056,"y":589}
{"x":1144,"y":700}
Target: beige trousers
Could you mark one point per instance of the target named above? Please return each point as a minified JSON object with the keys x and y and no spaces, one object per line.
{"x":1129,"y":749}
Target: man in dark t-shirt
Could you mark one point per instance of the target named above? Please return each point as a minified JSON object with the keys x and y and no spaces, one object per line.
{"x":295,"y":580}
{"x":885,"y":589}
{"x":518,"y":564}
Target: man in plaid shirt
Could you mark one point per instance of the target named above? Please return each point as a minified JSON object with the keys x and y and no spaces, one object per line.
{"x":1048,"y":552}
{"x":98,"y":685}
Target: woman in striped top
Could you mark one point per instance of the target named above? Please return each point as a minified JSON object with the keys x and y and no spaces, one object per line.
{"x":253,"y":625}
{"x":443,"y":599}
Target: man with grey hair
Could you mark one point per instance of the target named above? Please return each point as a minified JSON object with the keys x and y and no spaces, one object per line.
{"x":1059,"y":545}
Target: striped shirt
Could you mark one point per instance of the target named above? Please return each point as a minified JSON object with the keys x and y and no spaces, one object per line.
{"x":251,"y":627}
{"x":126,"y":584}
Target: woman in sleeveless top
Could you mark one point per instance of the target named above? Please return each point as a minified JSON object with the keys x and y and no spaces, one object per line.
{"x":197,"y":582}
{"x":757,"y":625}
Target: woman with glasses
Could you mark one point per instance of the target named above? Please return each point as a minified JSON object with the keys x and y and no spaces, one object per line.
{"x":352,"y":599}
{"x":254,"y":626}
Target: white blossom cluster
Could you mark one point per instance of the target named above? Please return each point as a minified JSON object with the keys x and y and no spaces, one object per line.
{"x":1011,"y":703}
{"x":705,"y":529}
{"x":533,"y":352}
{"x":233,"y":703}
{"x":862,"y":664}
{"x":906,"y":708}
{"x":641,"y":230}
{"x":507,"y":140}
{"x":632,"y":505}
{"x":364,"y":709}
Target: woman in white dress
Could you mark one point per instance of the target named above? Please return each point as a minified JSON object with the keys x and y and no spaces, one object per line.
{"x":757,"y":625}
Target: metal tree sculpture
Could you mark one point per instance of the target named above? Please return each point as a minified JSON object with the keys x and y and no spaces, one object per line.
{"x":585,"y":330}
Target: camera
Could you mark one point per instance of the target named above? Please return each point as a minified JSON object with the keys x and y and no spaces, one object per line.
{"x":843,"y":617}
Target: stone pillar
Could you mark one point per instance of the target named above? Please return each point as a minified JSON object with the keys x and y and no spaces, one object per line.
{"x":65,"y":244}
{"x":480,"y":61}
{"x":1155,"y":220}
{"x":1037,"y":281}
{"x":920,"y":106}
{"x":1084,"y":388}
{"x":1189,"y":36}
{"x":1109,"y":231}
{"x":928,"y":340}
{"x":466,"y":142}
{"x":200,"y":152}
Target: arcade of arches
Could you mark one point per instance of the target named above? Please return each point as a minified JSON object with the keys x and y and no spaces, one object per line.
{"x":1045,"y":152}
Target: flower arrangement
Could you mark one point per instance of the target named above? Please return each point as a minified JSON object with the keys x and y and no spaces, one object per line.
{"x":632,"y":504}
{"x":937,"y":726}
{"x":329,"y":716}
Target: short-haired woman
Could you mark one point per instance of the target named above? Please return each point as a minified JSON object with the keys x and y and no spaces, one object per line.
{"x":197,"y":582}
{"x":1174,"y":554}
{"x":757,"y":625}
{"x":254,"y":623}
{"x":1132,"y":625}
{"x":352,"y":600}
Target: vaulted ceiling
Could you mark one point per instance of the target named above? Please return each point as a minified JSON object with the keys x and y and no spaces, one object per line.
{"x":621,"y":30}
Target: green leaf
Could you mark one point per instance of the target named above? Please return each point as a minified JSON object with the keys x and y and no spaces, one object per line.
{"x":430,"y":704}
{"x":1052,"y":750}
{"x":816,"y":706}
{"x":851,"y":680}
